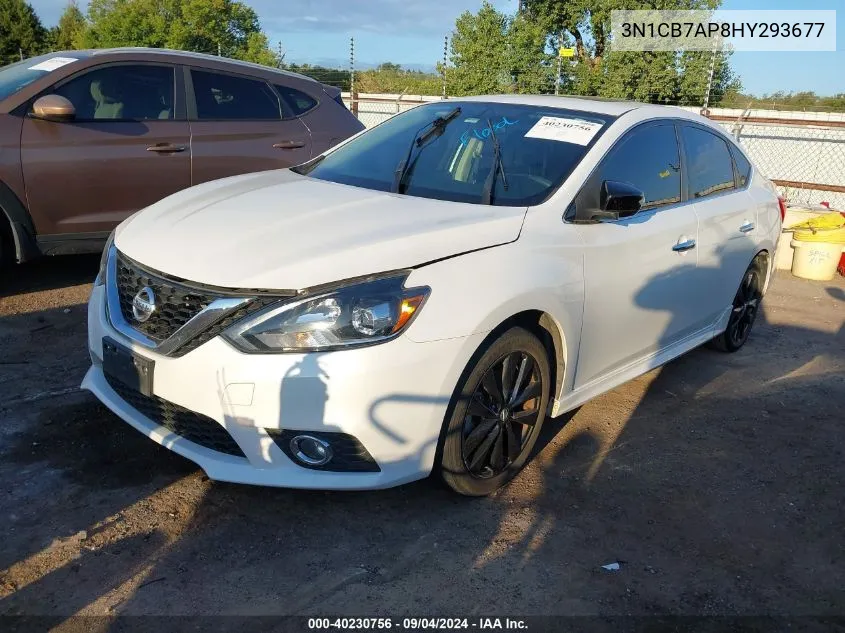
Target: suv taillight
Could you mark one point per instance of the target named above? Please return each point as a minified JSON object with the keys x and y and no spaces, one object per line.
{"x":782,"y":204}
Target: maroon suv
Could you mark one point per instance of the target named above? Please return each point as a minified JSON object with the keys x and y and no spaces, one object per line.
{"x":89,"y":137}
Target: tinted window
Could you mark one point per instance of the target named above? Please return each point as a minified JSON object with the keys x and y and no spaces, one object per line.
{"x":297,"y":101}
{"x":648,"y":159}
{"x":709,"y":166}
{"x":121,"y":93}
{"x":539,"y":149}
{"x":743,"y":167}
{"x":226,"y":97}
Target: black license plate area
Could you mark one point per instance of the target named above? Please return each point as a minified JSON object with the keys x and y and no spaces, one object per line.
{"x":133,"y":371}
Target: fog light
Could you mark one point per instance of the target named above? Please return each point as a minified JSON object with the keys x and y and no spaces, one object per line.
{"x":311,"y":450}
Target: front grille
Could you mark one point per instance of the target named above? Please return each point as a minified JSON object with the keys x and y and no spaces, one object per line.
{"x":194,"y":427}
{"x":349,"y":455}
{"x":175,"y":304}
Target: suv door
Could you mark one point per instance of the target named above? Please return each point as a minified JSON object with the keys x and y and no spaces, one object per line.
{"x":127,"y":148}
{"x":727,"y":215}
{"x":640,"y":295}
{"x":237,"y":127}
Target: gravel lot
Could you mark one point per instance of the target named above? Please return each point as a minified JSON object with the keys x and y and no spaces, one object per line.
{"x":716,"y":483}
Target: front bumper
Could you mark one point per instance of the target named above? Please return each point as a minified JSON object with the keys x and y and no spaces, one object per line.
{"x":391,"y":397}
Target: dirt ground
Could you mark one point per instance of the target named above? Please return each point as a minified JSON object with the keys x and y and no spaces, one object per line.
{"x":716,"y":483}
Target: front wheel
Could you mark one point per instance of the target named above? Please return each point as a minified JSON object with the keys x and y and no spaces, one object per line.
{"x":746,"y":305}
{"x":498,"y":411}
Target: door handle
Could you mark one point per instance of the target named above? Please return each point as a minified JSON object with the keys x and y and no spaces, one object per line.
{"x":682,"y":247}
{"x":289,"y":145}
{"x":746,"y":227}
{"x":167,"y":148}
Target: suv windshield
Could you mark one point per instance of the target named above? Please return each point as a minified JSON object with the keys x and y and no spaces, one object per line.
{"x":538,"y":149}
{"x":19,"y":75}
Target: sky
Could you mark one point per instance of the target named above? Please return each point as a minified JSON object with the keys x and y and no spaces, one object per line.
{"x":411,"y":32}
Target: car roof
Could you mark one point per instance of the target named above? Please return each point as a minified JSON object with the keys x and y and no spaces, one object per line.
{"x":185,"y":56}
{"x":596,"y":105}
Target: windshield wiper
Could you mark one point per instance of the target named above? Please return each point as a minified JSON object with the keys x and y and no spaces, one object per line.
{"x":490,"y":183}
{"x":405,"y":165}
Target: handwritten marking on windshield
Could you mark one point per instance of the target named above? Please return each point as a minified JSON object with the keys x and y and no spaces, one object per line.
{"x":485,"y":132}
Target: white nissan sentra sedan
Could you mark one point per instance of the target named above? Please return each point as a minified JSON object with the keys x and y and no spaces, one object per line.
{"x":421,"y":297}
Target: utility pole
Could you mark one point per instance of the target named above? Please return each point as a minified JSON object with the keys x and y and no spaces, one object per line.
{"x":716,"y":45}
{"x":20,"y":50}
{"x":353,"y":102}
{"x":281,"y":54}
{"x":219,"y":50}
{"x":445,"y":57}
{"x":559,"y":62}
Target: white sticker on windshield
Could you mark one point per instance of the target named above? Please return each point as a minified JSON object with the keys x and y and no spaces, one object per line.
{"x":53,"y":63}
{"x":564,"y":129}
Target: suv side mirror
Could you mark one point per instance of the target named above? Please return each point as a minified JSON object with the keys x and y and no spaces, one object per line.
{"x":53,"y":108}
{"x":618,"y":200}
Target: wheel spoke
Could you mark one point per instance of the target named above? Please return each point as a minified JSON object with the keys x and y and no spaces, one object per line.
{"x":492,"y":388}
{"x":477,"y":435}
{"x":529,"y":393}
{"x":497,"y":456}
{"x":514,"y":441}
{"x":478,"y":408}
{"x":482,"y":454}
{"x":528,"y":418}
{"x":508,"y":371}
{"x":526,"y":367}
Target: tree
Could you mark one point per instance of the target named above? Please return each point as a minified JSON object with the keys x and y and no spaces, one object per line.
{"x":492,"y":52}
{"x":70,"y":32}
{"x":207,"y":26}
{"x":661,"y":76}
{"x":20,"y":31}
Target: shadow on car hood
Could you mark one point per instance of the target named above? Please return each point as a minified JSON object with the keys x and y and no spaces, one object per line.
{"x":281,"y":230}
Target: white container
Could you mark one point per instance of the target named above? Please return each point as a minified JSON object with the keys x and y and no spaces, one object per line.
{"x":783,"y":257}
{"x":815,"y":260}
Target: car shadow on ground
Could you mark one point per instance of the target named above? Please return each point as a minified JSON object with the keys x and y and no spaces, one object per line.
{"x":48,"y":273}
{"x":713,"y":482}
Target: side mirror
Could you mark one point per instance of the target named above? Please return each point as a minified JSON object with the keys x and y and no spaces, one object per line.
{"x":53,"y":108}
{"x":618,"y":200}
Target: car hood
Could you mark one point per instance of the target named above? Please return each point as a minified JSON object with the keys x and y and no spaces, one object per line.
{"x":282,"y":230}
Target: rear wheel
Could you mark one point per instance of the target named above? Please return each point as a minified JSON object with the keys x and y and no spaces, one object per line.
{"x":498,"y":411}
{"x":746,"y":305}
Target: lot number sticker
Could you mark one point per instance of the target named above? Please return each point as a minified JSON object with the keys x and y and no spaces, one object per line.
{"x":566,"y":130}
{"x":53,"y":64}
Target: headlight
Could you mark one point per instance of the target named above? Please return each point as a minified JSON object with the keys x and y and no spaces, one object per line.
{"x":104,"y":259}
{"x":360,"y":314}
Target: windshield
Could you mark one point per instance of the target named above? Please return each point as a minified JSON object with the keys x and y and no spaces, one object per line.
{"x":17,"y":76}
{"x":538,"y":149}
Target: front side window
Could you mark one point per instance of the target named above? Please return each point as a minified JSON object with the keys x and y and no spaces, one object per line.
{"x":125,"y":92}
{"x":539,"y":148}
{"x":709,"y":165}
{"x":222,"y":97}
{"x":648,"y":159}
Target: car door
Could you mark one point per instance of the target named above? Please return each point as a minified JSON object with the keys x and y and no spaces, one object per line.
{"x":238,"y":126}
{"x":727,"y":215}
{"x":127,"y":147}
{"x":640,"y":272}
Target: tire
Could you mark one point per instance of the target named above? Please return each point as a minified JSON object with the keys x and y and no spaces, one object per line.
{"x":490,"y":432}
{"x":746,"y":306}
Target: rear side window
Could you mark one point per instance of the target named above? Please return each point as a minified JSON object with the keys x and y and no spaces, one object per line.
{"x":648,"y":159}
{"x":222,"y":97}
{"x":120,"y":93}
{"x":296,"y":100}
{"x":743,"y":167}
{"x":709,"y":167}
